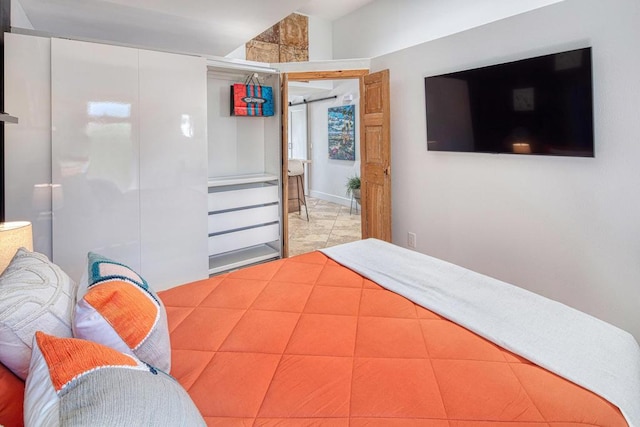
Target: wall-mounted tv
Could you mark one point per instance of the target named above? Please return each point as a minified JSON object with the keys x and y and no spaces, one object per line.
{"x":540,"y":105}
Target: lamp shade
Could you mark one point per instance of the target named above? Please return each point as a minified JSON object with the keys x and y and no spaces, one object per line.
{"x":14,"y":235}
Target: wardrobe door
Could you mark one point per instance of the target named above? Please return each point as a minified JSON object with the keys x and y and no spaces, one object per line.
{"x":173,"y":168}
{"x":27,"y":161}
{"x":95,"y":153}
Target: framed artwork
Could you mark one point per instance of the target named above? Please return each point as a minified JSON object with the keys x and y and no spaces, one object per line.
{"x":342,"y":133}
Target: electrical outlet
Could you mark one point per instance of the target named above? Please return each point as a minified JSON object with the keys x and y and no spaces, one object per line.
{"x":411,"y":240}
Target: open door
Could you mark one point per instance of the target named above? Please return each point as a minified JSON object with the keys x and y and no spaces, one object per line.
{"x":375,"y":155}
{"x":375,"y":148}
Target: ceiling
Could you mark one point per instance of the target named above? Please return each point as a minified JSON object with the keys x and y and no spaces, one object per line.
{"x":210,"y":27}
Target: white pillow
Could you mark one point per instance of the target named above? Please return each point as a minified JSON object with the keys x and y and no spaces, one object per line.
{"x":119,"y":309}
{"x":35,"y":294}
{"x":74,"y":382}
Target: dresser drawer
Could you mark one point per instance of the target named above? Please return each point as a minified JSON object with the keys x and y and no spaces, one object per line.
{"x":232,"y":241}
{"x":233,"y":220}
{"x":242,"y":196}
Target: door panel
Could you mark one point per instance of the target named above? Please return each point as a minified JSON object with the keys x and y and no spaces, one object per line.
{"x":373,"y":140}
{"x":27,"y":95}
{"x":374,"y":96}
{"x":376,"y":158}
{"x":298,"y":139}
{"x":298,"y":133}
{"x":95,"y":153}
{"x":173,"y":168}
{"x":375,"y":217}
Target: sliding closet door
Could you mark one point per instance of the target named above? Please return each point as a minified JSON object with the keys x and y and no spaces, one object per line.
{"x":95,"y":153}
{"x":173,"y":168}
{"x":27,"y":161}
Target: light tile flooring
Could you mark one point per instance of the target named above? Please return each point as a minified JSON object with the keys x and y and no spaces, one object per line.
{"x":329,"y":224}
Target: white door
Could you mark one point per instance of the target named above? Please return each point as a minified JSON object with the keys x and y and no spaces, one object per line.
{"x":173,"y":168}
{"x":95,"y":153}
{"x":129,"y":156}
{"x":298,"y":144}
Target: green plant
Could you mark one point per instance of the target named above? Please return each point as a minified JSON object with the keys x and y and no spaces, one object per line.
{"x":353,"y":184}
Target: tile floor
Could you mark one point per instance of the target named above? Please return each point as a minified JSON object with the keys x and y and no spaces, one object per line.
{"x":329,"y":224}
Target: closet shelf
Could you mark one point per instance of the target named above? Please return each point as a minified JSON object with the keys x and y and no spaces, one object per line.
{"x":247,"y":256}
{"x":241,"y":179}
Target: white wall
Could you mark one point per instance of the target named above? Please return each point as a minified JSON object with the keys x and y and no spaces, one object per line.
{"x":240,"y":145}
{"x":328,"y":177}
{"x":565,"y":227}
{"x":239,"y":53}
{"x":18,"y":17}
{"x":385,"y":26}
{"x":320,"y":39}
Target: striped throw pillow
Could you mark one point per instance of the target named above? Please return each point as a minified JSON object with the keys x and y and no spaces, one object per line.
{"x":117,"y":308}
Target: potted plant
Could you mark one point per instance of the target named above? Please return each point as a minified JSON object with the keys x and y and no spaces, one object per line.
{"x":353,"y":187}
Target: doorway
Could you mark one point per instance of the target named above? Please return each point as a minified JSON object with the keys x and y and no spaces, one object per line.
{"x":375,"y":148}
{"x":324,"y":206}
{"x":323,"y":142}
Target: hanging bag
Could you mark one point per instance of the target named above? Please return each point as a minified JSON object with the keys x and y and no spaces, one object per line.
{"x":251,"y":99}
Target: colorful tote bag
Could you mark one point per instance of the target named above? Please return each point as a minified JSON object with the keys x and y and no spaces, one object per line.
{"x":250,"y":99}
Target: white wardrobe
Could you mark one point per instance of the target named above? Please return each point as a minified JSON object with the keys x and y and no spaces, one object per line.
{"x":134,"y":154}
{"x":128,"y":156}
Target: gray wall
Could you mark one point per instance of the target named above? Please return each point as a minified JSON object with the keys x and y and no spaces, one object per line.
{"x":567,"y":228}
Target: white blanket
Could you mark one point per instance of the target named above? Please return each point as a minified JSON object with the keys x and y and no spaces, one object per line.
{"x":589,"y":352}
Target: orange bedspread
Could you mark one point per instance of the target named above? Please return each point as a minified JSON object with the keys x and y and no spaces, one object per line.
{"x":304,"y":341}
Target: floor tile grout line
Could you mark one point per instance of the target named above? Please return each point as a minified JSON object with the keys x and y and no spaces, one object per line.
{"x":330,"y":237}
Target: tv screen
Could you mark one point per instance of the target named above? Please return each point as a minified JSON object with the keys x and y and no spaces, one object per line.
{"x":540,"y":105}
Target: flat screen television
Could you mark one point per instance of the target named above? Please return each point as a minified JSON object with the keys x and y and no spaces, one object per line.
{"x":540,"y":105}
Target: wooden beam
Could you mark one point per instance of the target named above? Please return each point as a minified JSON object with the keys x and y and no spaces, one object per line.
{"x":326,"y":75}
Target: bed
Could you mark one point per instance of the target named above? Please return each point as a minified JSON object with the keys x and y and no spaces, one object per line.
{"x":371,"y":334}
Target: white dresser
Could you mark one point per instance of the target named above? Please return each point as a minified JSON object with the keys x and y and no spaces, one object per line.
{"x":244,"y":220}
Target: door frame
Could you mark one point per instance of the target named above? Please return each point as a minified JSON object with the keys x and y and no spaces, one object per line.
{"x":305,"y":76}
